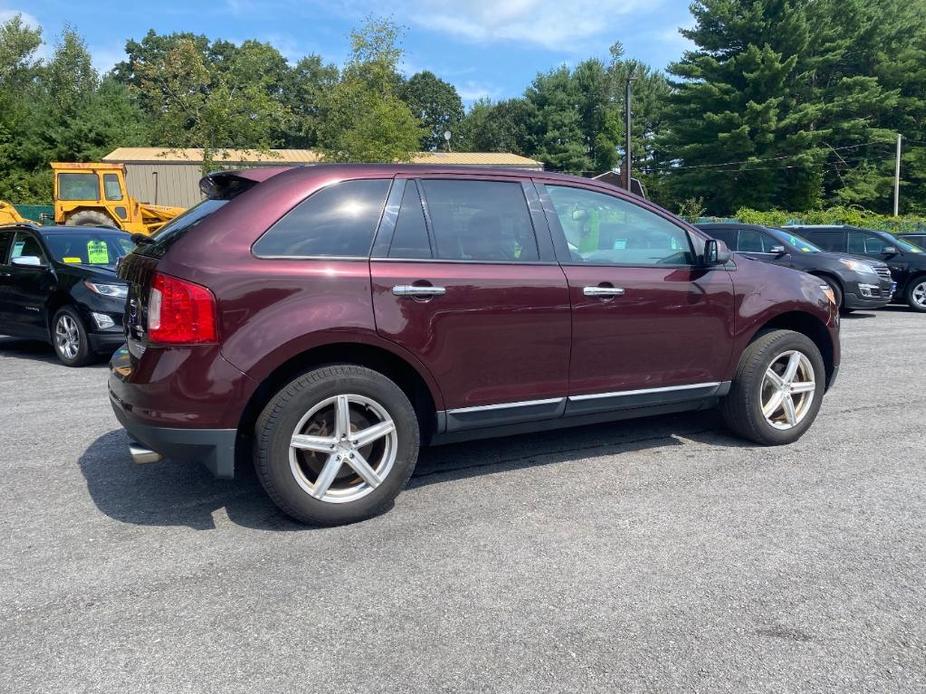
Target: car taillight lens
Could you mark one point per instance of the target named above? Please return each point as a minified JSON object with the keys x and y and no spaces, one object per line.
{"x":180,"y":312}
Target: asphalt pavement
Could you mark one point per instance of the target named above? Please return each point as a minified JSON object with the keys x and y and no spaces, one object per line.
{"x":650,"y":555}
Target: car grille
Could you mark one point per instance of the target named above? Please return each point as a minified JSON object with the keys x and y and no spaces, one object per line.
{"x":884,"y":272}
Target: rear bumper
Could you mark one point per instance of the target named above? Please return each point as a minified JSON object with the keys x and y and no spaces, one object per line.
{"x":214,"y":448}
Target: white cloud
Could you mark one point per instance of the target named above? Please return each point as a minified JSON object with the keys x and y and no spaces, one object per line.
{"x":472,"y":90}
{"x":28,"y":19}
{"x":105,"y":57}
{"x":553,"y":24}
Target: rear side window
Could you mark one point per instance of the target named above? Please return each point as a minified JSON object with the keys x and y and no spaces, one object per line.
{"x":480,"y":220}
{"x":338,"y":220}
{"x":728,"y":236}
{"x":827,"y":240}
{"x":410,"y":238}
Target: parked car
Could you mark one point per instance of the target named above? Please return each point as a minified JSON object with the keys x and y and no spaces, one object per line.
{"x":59,"y":284}
{"x":906,"y":261}
{"x":857,"y":283}
{"x":916,"y":238}
{"x":329,"y":320}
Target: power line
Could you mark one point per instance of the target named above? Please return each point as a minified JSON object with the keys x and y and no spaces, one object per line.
{"x":778,"y":158}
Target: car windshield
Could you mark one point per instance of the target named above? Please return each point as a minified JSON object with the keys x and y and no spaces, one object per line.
{"x":800,"y":243}
{"x":907,"y":247}
{"x":89,"y":247}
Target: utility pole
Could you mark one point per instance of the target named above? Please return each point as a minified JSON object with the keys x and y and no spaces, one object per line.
{"x":897,"y":178}
{"x":628,"y":154}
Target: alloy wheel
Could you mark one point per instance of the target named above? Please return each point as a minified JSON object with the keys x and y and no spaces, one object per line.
{"x":919,"y":295}
{"x":67,"y":336}
{"x":788,"y":389}
{"x":343,"y":448}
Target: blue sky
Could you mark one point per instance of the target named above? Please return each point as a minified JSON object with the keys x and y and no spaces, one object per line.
{"x":486,"y":48}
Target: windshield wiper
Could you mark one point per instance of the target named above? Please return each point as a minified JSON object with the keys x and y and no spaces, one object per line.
{"x":141,"y":239}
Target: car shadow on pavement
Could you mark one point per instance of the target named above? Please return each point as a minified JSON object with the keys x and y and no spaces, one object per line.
{"x":185,"y":494}
{"x":36,"y":350}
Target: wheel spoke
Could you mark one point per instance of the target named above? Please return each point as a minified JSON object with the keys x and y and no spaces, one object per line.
{"x":362,"y":468}
{"x":774,"y":378}
{"x":342,"y":417}
{"x":790,"y":413}
{"x":803,"y":387}
{"x":318,"y":444}
{"x":326,"y":476}
{"x":794,"y":361}
{"x":774,"y":402}
{"x":371,"y":434}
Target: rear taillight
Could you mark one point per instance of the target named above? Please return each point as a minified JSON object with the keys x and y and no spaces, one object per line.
{"x":180,"y":312}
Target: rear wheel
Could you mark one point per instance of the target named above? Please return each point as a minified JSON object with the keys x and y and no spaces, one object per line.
{"x":916,"y":294}
{"x":336,"y":445}
{"x":778,"y":388}
{"x":69,"y":337}
{"x":90,"y":218}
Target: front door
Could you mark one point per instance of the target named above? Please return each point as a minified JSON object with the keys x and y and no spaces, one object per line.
{"x":29,"y":287}
{"x":462,"y":280}
{"x":650,"y":326}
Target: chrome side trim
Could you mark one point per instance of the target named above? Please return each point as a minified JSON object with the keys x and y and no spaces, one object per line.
{"x":643,"y":391}
{"x":505,"y":405}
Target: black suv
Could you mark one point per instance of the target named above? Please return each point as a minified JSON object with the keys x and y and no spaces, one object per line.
{"x":906,"y":261}
{"x":857,"y":283}
{"x":59,"y":284}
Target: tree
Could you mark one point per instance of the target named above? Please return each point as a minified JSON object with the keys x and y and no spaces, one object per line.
{"x":436,"y":104}
{"x":498,"y":127}
{"x":364,"y":119}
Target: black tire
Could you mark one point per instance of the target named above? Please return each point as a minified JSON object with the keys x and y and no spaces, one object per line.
{"x":90,"y":218}
{"x":66,"y":326}
{"x":278,"y":422}
{"x":916,"y":285}
{"x":742,"y":407}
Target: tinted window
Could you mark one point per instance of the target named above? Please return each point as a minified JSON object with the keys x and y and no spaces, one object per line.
{"x":480,"y":220}
{"x":867,"y":243}
{"x":26,"y":244}
{"x":827,"y":240}
{"x":410,"y":238}
{"x":88,"y":247}
{"x":337,"y":220}
{"x":728,"y":236}
{"x":6,"y":239}
{"x":603,"y":229}
{"x":752,"y":241}
{"x":111,"y":187}
{"x":78,"y":186}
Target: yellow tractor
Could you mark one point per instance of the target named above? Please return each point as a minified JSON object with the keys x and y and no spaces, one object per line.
{"x":94,"y":194}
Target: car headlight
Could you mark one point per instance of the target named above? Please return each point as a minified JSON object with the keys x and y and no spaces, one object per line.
{"x":858,"y":266}
{"x":113,"y":291}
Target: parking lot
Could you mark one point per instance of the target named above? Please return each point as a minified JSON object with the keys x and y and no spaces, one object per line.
{"x":657,"y":554}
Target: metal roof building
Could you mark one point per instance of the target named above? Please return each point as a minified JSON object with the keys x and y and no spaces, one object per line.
{"x":168,"y":176}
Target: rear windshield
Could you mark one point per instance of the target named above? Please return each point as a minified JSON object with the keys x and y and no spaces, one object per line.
{"x":178,"y":227}
{"x":88,"y":247}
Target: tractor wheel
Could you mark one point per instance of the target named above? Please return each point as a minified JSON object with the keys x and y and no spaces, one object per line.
{"x":89,"y":218}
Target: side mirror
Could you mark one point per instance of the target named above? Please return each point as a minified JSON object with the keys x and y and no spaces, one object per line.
{"x":716,"y":252}
{"x":778,"y":250}
{"x":889,"y":250}
{"x":28,"y":261}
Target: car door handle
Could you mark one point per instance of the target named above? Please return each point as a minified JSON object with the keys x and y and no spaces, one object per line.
{"x":414,"y":290}
{"x":603,"y":291}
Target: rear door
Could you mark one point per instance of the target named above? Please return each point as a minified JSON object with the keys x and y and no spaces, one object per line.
{"x":6,"y":281}
{"x":463,"y":280}
{"x":650,"y":326}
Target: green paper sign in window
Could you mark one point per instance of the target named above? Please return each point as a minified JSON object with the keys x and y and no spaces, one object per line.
{"x":97,"y":253}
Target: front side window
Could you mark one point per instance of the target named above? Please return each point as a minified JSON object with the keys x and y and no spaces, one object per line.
{"x":867,"y":243}
{"x":338,"y":221}
{"x":78,"y":186}
{"x":111,"y":187}
{"x":602,"y":229}
{"x":26,"y":245}
{"x":480,"y":221}
{"x":753,"y":241}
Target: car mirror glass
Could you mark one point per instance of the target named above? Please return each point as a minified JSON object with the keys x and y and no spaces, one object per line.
{"x":716,"y":252}
{"x":28,"y":261}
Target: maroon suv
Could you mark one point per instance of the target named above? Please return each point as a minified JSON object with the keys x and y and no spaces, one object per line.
{"x":327,"y":321}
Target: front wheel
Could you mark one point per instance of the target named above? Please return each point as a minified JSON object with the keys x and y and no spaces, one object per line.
{"x":778,"y":388}
{"x":70,"y":338}
{"x":336,"y":445}
{"x":916,"y":294}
